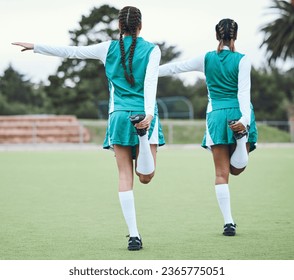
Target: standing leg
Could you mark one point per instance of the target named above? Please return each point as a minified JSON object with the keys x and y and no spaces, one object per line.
{"x":124,"y":162}
{"x":221,"y":159}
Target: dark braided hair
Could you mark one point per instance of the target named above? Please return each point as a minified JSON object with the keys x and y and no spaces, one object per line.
{"x":129,"y":21}
{"x":226,"y":33}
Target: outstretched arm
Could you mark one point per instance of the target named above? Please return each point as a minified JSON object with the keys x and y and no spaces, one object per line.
{"x":97,"y":51}
{"x":26,"y":46}
{"x":194,"y":64}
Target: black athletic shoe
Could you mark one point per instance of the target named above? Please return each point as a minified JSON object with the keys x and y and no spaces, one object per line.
{"x":136,"y":119}
{"x":238,"y":135}
{"x":135,"y":244}
{"x":229,"y":229}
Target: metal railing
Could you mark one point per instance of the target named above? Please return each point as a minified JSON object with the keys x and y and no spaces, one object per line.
{"x":171,"y":127}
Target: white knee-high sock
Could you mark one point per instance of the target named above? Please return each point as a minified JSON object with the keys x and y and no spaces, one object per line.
{"x":145,"y":161}
{"x":223,"y":197}
{"x":239,"y":158}
{"x":127,"y":203}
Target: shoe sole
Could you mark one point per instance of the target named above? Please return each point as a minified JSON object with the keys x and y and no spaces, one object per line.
{"x":229,"y":233}
{"x":134,"y":248}
{"x":238,"y":135}
{"x":136,"y":118}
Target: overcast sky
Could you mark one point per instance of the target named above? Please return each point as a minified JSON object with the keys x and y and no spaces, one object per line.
{"x":186,"y":24}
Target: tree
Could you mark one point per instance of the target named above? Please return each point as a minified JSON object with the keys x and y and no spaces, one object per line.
{"x":279,"y":34}
{"x":279,"y":41}
{"x":18,"y":95}
{"x":268,"y":95}
{"x":14,"y":86}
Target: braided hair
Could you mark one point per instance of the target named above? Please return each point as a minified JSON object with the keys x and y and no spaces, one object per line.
{"x":226,"y":33}
{"x":129,"y":21}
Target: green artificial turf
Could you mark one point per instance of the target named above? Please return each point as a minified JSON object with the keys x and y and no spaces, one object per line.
{"x":57,"y":205}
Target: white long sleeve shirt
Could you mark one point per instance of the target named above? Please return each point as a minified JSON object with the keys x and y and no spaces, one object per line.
{"x":100,"y":51}
{"x":198,"y":64}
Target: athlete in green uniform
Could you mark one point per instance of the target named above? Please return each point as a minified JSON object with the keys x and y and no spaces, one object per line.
{"x":230,"y":123}
{"x":134,"y":130}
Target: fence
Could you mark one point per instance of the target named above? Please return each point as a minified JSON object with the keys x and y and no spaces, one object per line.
{"x":191,"y":131}
{"x":174,"y":107}
{"x":71,"y":131}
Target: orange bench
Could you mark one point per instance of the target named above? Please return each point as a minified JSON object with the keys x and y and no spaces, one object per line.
{"x":42,"y":129}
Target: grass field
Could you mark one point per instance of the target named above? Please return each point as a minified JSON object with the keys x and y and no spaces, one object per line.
{"x":57,"y":205}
